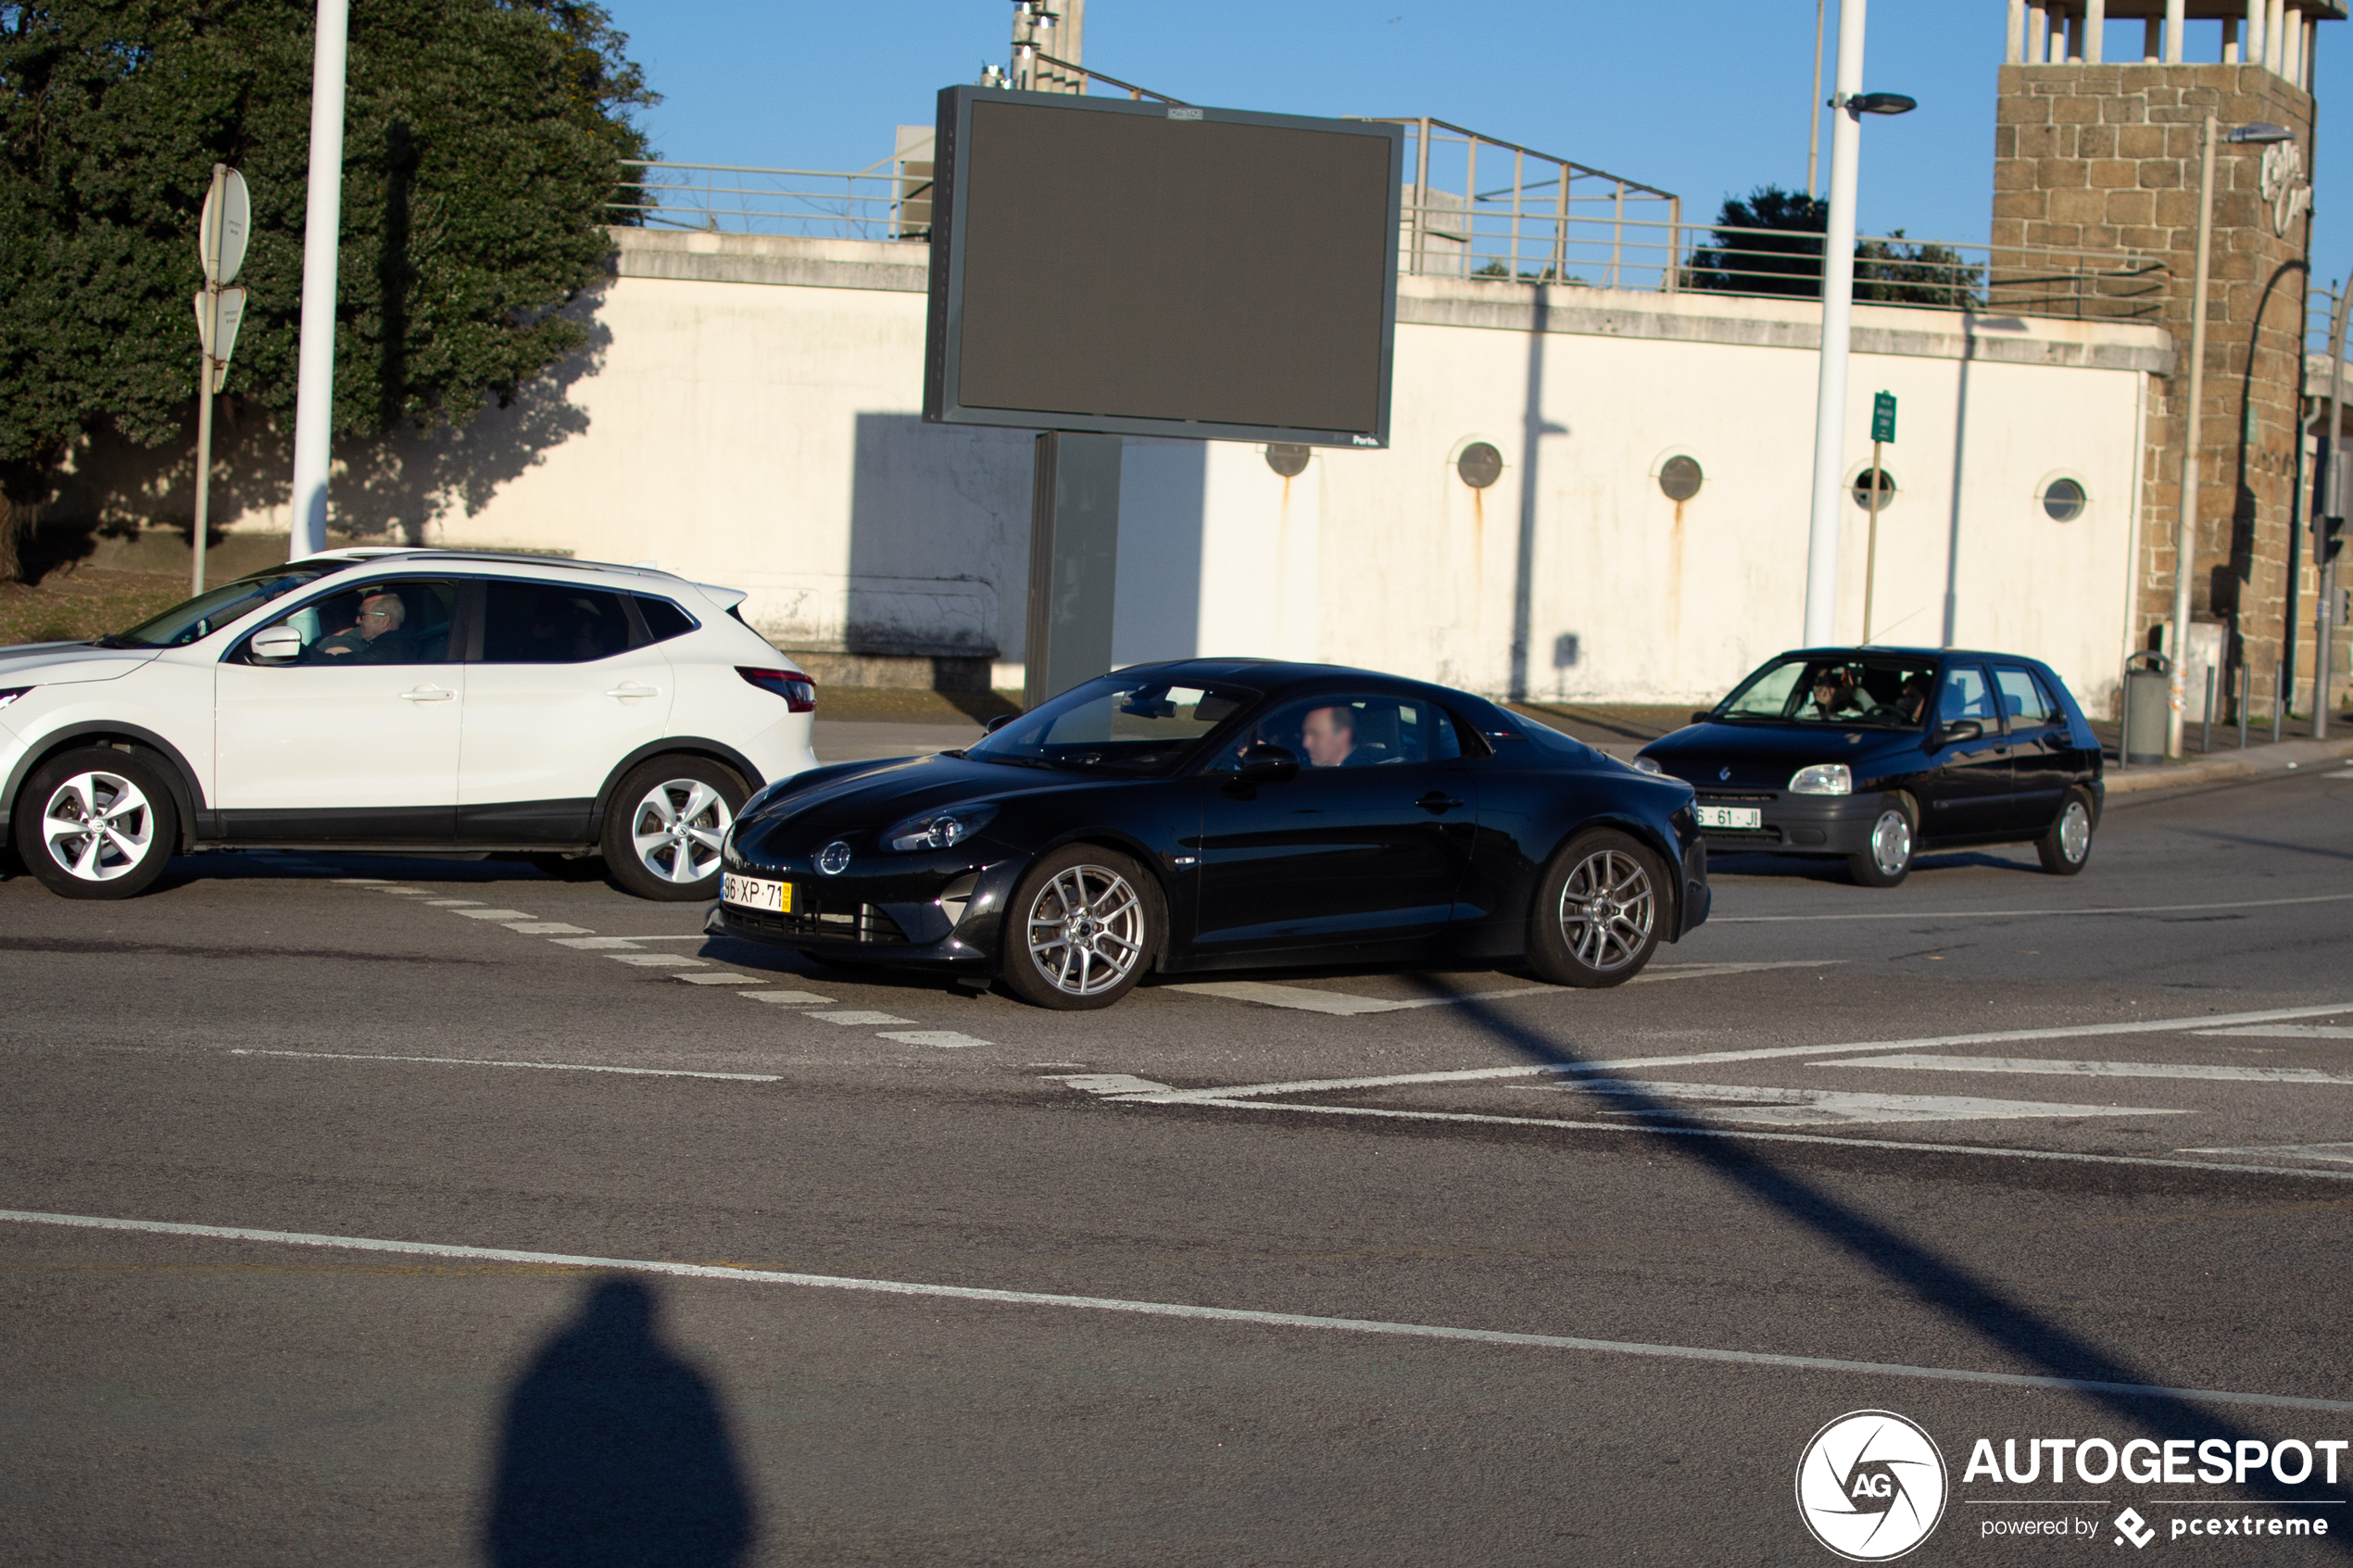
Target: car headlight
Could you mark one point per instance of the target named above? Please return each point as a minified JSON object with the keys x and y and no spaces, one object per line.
{"x":1823,"y":778}
{"x":1645,"y":765}
{"x":939,"y":830}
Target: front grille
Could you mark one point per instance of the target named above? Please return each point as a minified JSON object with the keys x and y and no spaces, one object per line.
{"x":825,"y":923}
{"x":1741,"y":835}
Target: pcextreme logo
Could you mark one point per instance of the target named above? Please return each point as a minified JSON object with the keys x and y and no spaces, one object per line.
{"x":1871,"y":1485}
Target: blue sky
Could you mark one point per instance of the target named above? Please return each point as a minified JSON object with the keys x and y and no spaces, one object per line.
{"x":1702,"y":98}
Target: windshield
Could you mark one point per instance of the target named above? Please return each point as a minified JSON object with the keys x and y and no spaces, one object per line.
{"x":1869,"y":691}
{"x":212,"y":609}
{"x":1115,"y":725}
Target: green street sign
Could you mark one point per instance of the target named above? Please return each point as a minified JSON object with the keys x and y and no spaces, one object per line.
{"x":1883,"y":417}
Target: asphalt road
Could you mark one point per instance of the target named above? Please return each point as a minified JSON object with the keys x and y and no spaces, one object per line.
{"x":1839,"y":1150}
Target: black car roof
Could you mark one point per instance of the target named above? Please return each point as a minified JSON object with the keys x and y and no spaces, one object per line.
{"x":1276,"y":675}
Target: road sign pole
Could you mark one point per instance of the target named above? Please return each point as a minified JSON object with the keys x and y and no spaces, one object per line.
{"x":215,"y":214}
{"x":1870,"y":550}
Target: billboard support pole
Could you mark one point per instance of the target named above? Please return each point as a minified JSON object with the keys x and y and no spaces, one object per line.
{"x":1074,"y":562}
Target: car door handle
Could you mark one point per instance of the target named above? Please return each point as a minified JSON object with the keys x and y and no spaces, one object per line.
{"x":1435,"y":802}
{"x":632,"y":689}
{"x":427,"y":693}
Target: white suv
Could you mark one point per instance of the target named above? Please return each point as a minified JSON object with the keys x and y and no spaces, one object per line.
{"x":410,"y":700}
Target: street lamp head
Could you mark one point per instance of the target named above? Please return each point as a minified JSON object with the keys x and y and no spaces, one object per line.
{"x":2260,"y":132}
{"x":1881,"y":103}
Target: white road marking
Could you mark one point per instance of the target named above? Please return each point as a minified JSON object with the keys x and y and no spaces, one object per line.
{"x":1762,"y":1107}
{"x":654,"y":960}
{"x":789,"y":998}
{"x":2337,"y":1151}
{"x":490,"y":914}
{"x":2029,"y":914}
{"x":722,"y":977}
{"x":453,"y":903}
{"x":598,"y":943}
{"x":545,"y":928}
{"x":858,"y":1017}
{"x":2288,"y":1031}
{"x":409,"y":892}
{"x":542,"y":1066}
{"x":948,"y":1039}
{"x":1473,"y":1074}
{"x":2211,"y":1072}
{"x":1346,"y":1004}
{"x":1165,"y":1310}
{"x":1108,"y":1083}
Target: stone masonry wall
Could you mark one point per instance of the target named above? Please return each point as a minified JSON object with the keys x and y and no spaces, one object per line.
{"x":2106,"y":158}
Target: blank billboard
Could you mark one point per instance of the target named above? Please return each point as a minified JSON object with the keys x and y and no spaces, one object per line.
{"x":1157,"y":270}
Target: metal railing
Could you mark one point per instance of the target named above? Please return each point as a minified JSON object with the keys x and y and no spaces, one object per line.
{"x":868,"y":204}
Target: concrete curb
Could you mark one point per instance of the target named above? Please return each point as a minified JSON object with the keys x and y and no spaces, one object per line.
{"x":2256,"y":761}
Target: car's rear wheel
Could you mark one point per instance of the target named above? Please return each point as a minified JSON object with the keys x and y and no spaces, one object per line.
{"x":1598,"y":910}
{"x":1886,"y":858}
{"x":96,"y":823}
{"x":666,"y":825}
{"x":2068,"y":846}
{"x":1081,"y":930}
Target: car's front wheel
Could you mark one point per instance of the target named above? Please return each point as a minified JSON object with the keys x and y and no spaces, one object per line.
{"x":2068,"y":846}
{"x":96,"y":823}
{"x":667,"y":824}
{"x":1598,"y":911}
{"x":1886,"y":859}
{"x":1081,"y":930}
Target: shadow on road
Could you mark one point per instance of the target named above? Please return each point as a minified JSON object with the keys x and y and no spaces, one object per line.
{"x":616,"y":1451}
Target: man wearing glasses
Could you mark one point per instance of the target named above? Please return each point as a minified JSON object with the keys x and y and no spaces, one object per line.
{"x":372,"y":637}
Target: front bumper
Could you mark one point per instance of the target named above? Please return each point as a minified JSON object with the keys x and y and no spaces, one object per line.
{"x":898,"y":918}
{"x":1796,"y":824}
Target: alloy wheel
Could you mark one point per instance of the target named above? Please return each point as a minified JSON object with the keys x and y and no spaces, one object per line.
{"x":97,"y":826}
{"x":1606,"y":909}
{"x":678,"y":828}
{"x":1086,"y":930}
{"x":1892,"y":841}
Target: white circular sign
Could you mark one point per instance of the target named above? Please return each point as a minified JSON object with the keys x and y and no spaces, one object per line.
{"x":1871,"y":1485}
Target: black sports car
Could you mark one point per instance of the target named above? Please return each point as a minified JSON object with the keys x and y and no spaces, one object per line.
{"x":1223,"y":814}
{"x":1875,"y":753}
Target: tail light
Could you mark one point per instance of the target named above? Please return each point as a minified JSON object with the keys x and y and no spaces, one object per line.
{"x":798,"y":690}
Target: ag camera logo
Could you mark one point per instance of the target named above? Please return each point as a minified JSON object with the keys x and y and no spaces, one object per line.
{"x":1871,"y":1485}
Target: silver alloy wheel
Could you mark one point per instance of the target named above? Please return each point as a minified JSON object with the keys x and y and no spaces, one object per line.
{"x":1892,"y":841}
{"x":1086,"y":930}
{"x":1606,"y":909}
{"x":97,"y":826}
{"x":2075,"y":832}
{"x":678,"y":828}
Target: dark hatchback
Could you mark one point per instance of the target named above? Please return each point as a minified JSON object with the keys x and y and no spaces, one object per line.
{"x":1225,"y":814}
{"x":1875,"y":753}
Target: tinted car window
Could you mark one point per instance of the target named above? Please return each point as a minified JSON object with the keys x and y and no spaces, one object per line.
{"x":1965,"y":696}
{"x":397,"y":621}
{"x":1351,"y":730}
{"x":1113,"y":725}
{"x":2023,"y":698}
{"x":550,"y":623}
{"x":663,"y":620}
{"x":1877,"y":691}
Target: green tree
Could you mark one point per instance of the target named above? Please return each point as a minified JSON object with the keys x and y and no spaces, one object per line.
{"x":1769,"y":244}
{"x":1891,"y":272}
{"x":483,"y":140}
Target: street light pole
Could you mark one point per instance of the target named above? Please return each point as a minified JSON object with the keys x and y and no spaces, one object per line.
{"x":322,"y":230}
{"x":1838,"y":320}
{"x":1814,"y":135}
{"x":2332,"y":505}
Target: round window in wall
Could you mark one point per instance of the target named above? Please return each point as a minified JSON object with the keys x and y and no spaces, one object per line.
{"x":1481,"y":464}
{"x":2063,"y":500}
{"x":1870,"y":479}
{"x":1680,"y":478}
{"x":1288,"y":458}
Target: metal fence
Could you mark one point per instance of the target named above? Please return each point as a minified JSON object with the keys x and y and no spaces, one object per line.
{"x":1475,"y":208}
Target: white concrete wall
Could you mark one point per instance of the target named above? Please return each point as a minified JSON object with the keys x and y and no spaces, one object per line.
{"x":766,"y":433}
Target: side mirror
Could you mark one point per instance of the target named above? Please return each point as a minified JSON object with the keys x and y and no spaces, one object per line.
{"x":1267,"y":764}
{"x":1958,"y":731}
{"x":276,"y":643}
{"x":999,"y":721}
{"x":1702,"y":715}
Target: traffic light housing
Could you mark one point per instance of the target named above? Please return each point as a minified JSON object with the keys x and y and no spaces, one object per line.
{"x":2328,"y":538}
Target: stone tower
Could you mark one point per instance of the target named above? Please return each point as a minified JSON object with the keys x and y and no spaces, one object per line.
{"x":2100,"y":155}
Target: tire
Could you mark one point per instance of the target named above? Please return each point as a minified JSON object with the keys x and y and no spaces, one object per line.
{"x":124,"y":795}
{"x":1598,"y":910}
{"x":2068,"y":846}
{"x":1894,"y":831}
{"x":1082,"y":927}
{"x":666,"y":824}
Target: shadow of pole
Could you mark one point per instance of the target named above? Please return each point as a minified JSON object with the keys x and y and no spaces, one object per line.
{"x":1935,"y":1281}
{"x":615,"y":1450}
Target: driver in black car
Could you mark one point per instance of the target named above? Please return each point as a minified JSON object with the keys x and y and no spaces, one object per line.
{"x":1836,"y":693}
{"x":1330,"y":736}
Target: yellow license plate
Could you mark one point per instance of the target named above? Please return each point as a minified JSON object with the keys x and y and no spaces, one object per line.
{"x":756,"y":892}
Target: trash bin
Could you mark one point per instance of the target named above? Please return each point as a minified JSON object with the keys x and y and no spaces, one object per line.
{"x":2149,"y":679}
